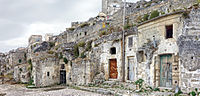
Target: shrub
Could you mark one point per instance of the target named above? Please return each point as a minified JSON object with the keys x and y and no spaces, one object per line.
{"x":76,"y":51}
{"x":50,"y":52}
{"x":30,"y":63}
{"x":51,"y":44}
{"x":89,"y":45}
{"x":84,"y":24}
{"x":65,"y":60}
{"x":60,"y":56}
{"x":127,"y":26}
{"x":139,"y":83}
{"x":83,"y":55}
{"x":198,"y":1}
{"x":154,"y":14}
{"x":102,"y":33}
{"x":146,"y":17}
{"x":81,"y":44}
{"x":186,"y":14}
{"x":71,"y":29}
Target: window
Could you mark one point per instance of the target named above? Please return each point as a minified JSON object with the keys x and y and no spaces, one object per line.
{"x":169,"y":31}
{"x":47,"y":73}
{"x":130,"y":42}
{"x":113,"y":50}
{"x":85,"y":33}
{"x":141,"y":56}
{"x":62,"y":66}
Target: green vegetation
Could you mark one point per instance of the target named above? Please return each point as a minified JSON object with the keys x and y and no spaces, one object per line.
{"x":50,"y":52}
{"x":102,"y":33}
{"x":65,"y":60}
{"x":89,"y":45}
{"x":83,"y":55}
{"x":71,"y":29}
{"x":127,"y":26}
{"x":139,"y":83}
{"x":81,"y":44}
{"x":51,"y":44}
{"x":76,"y":51}
{"x":186,"y":14}
{"x":30,"y":63}
{"x":84,"y":25}
{"x":61,"y":55}
{"x":194,"y":93}
{"x":154,"y":14}
{"x":146,"y":17}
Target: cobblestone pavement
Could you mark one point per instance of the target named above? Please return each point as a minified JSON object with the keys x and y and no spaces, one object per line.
{"x":20,"y":90}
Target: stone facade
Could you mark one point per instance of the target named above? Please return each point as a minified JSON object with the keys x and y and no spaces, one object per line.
{"x":162,"y":50}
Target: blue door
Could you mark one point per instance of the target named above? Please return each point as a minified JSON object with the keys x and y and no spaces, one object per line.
{"x":166,"y":70}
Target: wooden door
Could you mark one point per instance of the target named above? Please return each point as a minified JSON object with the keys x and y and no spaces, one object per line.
{"x":166,"y":71}
{"x":113,"y":69}
{"x":131,"y":72}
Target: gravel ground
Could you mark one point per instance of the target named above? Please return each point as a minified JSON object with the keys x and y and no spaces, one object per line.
{"x":20,"y":90}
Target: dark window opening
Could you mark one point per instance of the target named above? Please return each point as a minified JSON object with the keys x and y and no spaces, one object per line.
{"x":85,"y":33}
{"x":23,"y":76}
{"x":62,"y":66}
{"x":141,"y":56}
{"x":130,"y":42}
{"x":169,"y":31}
{"x":47,"y":73}
{"x":77,"y":35}
{"x":113,"y":50}
{"x":192,"y":57}
{"x":80,"y":34}
{"x":20,"y":60}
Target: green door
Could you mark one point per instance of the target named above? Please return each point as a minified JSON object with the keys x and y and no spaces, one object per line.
{"x":166,"y":71}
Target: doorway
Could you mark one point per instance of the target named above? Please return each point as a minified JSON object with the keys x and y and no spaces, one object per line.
{"x":113,"y":69}
{"x":62,"y":77}
{"x":131,"y":72}
{"x":166,"y":70}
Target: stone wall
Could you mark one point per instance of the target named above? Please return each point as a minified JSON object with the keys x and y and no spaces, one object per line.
{"x":45,"y":69}
{"x":189,"y":52}
{"x":153,"y":43}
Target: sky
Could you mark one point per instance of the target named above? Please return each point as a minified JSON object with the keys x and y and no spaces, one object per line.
{"x":19,"y":19}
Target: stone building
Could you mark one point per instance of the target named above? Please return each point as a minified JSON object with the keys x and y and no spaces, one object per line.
{"x":35,"y":38}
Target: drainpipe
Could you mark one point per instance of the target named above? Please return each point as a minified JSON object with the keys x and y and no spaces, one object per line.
{"x":123,"y":43}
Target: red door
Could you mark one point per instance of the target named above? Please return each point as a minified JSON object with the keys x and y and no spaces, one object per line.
{"x":113,"y":69}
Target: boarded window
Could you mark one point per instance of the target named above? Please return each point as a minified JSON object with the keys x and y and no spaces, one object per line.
{"x":169,"y":31}
{"x":113,"y":50}
{"x":130,"y":42}
{"x":47,"y":73}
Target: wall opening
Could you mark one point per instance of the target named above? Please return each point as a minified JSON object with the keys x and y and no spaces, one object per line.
{"x":169,"y":31}
{"x":141,"y":56}
{"x":113,"y":50}
{"x":130,"y":42}
{"x":62,"y":66}
{"x":85,"y":33}
{"x":47,"y":73}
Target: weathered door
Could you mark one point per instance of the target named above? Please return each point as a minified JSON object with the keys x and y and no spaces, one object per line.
{"x":113,"y":69}
{"x":62,"y":77}
{"x":166,"y":70}
{"x":131,"y":72}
